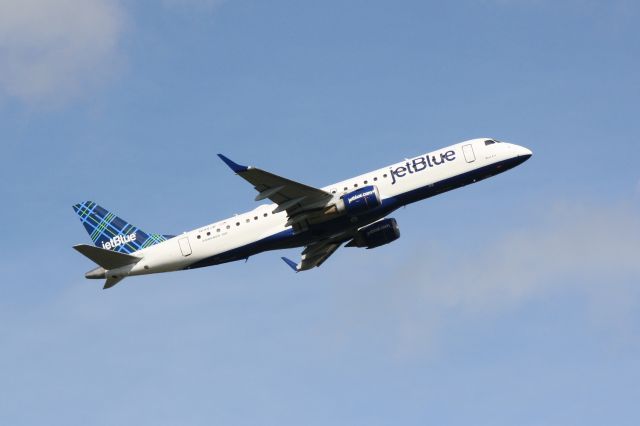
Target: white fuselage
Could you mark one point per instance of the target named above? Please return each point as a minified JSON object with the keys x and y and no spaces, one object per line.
{"x":403,"y":182}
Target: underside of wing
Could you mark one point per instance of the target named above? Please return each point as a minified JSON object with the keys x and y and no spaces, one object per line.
{"x":316,"y":254}
{"x":313,"y":256}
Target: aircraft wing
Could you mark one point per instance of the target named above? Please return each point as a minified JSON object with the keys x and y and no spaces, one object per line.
{"x":290,"y":196}
{"x":312,"y":256}
{"x":317,"y":253}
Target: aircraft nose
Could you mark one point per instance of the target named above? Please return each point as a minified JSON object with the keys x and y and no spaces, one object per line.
{"x":524,"y":152}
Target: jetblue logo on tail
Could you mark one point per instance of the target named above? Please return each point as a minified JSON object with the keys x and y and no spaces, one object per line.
{"x":118,"y":240}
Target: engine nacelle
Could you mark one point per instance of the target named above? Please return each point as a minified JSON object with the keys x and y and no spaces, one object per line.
{"x":361,"y":200}
{"x":352,"y":203}
{"x":377,"y":234}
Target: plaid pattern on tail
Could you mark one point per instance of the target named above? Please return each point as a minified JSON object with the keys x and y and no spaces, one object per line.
{"x":110,"y":232}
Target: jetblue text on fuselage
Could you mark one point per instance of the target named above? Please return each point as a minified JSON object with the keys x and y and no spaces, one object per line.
{"x":419,"y":164}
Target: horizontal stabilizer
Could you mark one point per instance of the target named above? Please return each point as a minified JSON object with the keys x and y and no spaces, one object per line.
{"x":111,"y":281}
{"x":106,"y":258}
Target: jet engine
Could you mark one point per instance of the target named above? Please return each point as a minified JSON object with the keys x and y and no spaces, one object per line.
{"x":361,"y":200}
{"x":355,"y":202}
{"x":377,"y":234}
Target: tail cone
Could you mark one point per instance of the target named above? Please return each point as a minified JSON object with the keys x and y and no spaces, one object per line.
{"x":96,"y":273}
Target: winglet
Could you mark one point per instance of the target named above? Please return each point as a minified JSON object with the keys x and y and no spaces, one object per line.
{"x":293,"y":265}
{"x":238,"y":168}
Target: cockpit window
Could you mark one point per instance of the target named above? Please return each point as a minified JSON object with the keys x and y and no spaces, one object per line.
{"x":489,"y":142}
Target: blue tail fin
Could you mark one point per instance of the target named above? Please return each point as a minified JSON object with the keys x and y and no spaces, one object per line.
{"x":109,"y":232}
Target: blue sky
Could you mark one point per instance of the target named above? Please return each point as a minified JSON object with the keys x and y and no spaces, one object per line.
{"x":513,"y":301}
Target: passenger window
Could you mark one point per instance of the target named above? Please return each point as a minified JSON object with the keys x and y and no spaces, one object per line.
{"x":199,"y":237}
{"x":265,"y":215}
{"x":218,"y":230}
{"x":237,"y":223}
{"x":365,"y":182}
{"x":248,"y":220}
{"x":255,"y":218}
{"x":355,"y":185}
{"x":384,"y":175}
{"x":208,"y":233}
{"x":228,"y":226}
{"x":375,"y":178}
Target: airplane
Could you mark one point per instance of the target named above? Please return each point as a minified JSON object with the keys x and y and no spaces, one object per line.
{"x":321,"y":220}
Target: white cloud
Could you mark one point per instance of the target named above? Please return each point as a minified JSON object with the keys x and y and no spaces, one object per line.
{"x":52,"y":50}
{"x":574,"y":243}
{"x":589,"y":252}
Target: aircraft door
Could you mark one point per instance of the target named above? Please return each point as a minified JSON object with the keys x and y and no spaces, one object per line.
{"x":185,"y":247}
{"x":468,"y":153}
